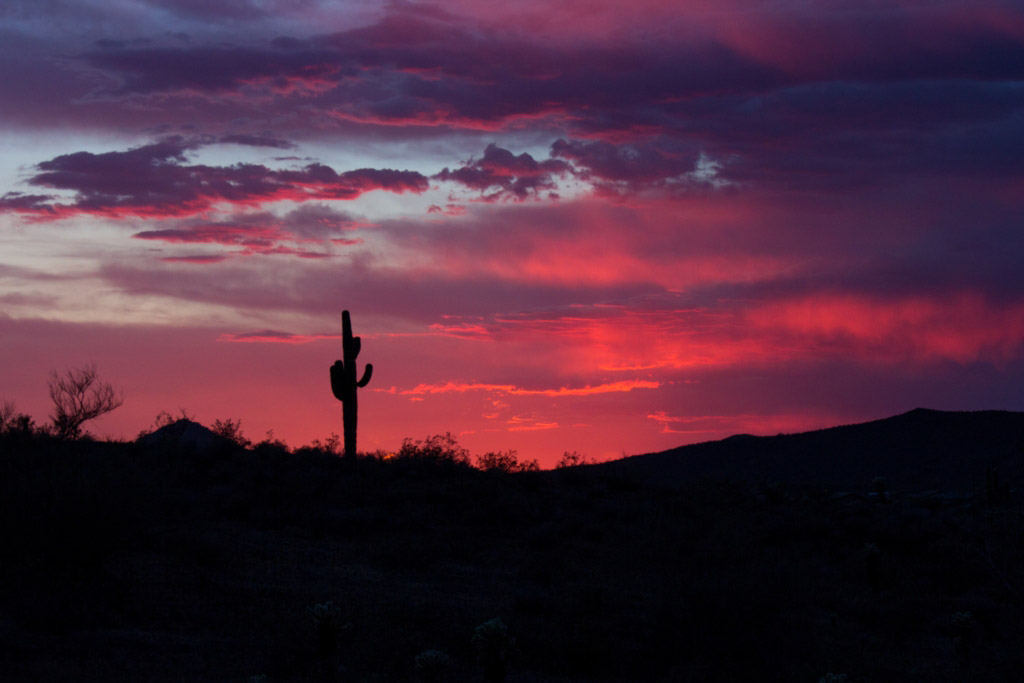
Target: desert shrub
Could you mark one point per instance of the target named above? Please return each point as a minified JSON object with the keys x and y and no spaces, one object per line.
{"x":332,"y":444}
{"x":14,"y":424}
{"x":439,"y":448}
{"x":271,"y":444}
{"x":232,"y":431}
{"x":7,"y":413}
{"x":963,"y":626}
{"x":327,"y":626}
{"x":431,"y":665}
{"x":505,"y":461}
{"x":572,"y":459}
{"x":832,"y":678}
{"x":79,"y":396}
{"x":494,"y":648}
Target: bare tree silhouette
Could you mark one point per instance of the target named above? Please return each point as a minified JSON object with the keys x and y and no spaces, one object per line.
{"x":344,"y":384}
{"x":79,"y":396}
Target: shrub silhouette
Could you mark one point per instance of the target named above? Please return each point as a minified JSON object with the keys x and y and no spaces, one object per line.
{"x":78,"y":396}
{"x":431,"y":665}
{"x":494,"y":648}
{"x":232,"y":431}
{"x":7,"y":413}
{"x":327,"y":625}
{"x":14,"y":424}
{"x":505,"y":461}
{"x":344,"y":384}
{"x":439,"y":448}
{"x":572,"y":459}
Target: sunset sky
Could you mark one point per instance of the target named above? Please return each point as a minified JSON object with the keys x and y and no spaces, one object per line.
{"x":603,"y":227}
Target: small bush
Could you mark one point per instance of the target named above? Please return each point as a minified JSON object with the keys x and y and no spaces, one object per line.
{"x":440,"y":448}
{"x":232,"y":431}
{"x":327,"y":626}
{"x":494,"y":648}
{"x":572,"y":459}
{"x":505,"y":461}
{"x":79,"y":396}
{"x":15,"y":424}
{"x":431,"y":665}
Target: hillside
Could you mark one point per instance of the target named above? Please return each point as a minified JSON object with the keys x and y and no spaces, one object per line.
{"x":922,"y":450}
{"x":166,"y":562}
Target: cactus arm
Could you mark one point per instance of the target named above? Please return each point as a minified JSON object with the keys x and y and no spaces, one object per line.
{"x":366,"y":376}
{"x":338,"y":380}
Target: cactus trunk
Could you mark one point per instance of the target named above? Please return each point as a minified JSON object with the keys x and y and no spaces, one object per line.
{"x":344,"y":384}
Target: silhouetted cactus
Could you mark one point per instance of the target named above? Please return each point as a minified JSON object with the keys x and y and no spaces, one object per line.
{"x":344,"y":384}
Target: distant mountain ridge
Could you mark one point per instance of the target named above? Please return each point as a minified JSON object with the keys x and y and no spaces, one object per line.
{"x":917,"y":451}
{"x":184,"y":433}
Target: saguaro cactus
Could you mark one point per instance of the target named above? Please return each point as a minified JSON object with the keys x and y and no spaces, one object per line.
{"x":344,"y":384}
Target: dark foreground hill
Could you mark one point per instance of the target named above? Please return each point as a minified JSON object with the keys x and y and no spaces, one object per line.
{"x":923,"y":450}
{"x":168,"y":563}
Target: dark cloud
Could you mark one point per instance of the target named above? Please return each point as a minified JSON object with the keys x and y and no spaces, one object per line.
{"x":195,"y":258}
{"x":261,"y":233}
{"x":317,"y":221}
{"x":791,"y":99}
{"x":628,"y":168}
{"x":432,"y":67}
{"x":413,"y":67}
{"x":17,"y":202}
{"x":242,"y":235}
{"x":265,"y":140}
{"x":211,"y":70}
{"x":155,"y":180}
{"x":500,"y":174}
{"x":794,"y":101}
{"x":236,"y":10}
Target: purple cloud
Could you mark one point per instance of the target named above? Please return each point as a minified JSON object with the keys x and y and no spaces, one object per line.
{"x":261,"y":233}
{"x":155,"y":180}
{"x":499,"y":174}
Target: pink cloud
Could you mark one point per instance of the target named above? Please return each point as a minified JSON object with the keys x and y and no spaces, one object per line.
{"x":663,"y":336}
{"x":709,"y":427}
{"x":520,"y":423}
{"x":510,"y":389}
{"x":963,"y":327}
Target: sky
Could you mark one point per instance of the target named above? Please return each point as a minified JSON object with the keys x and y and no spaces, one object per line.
{"x":559,"y":225}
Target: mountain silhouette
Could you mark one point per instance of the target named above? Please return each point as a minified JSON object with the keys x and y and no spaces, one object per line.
{"x":184,"y":433}
{"x":922,"y":450}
